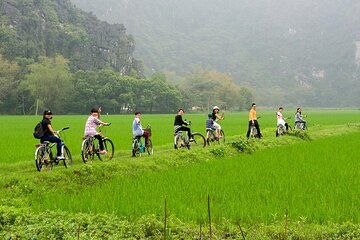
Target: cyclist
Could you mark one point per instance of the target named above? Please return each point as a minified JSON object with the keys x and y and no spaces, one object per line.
{"x":179,"y":124}
{"x":253,"y":121}
{"x":299,"y":118}
{"x":90,"y":128}
{"x":137,"y":129}
{"x":280,"y":119}
{"x":215,"y":117}
{"x":50,"y":135}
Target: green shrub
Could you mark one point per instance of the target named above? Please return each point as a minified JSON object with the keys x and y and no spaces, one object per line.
{"x":304,"y":135}
{"x":218,"y":152}
{"x":242,"y":145}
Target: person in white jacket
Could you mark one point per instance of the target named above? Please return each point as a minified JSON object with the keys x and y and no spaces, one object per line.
{"x":280,"y":119}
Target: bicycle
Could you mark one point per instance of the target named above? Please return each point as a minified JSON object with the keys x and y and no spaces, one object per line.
{"x":182,"y":141}
{"x":44,"y":157}
{"x":138,"y":147}
{"x":89,"y":149}
{"x":281,"y":129}
{"x":300,"y":126}
{"x":253,"y":131}
{"x":211,"y":136}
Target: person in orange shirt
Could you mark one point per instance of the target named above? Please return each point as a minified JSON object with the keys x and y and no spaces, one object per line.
{"x":253,"y":121}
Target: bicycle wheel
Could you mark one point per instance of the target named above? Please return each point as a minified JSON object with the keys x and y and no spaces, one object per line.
{"x":43,"y":159}
{"x":222,"y":137}
{"x":109,"y":147}
{"x":179,"y":141}
{"x":210,"y":137}
{"x":198,"y":140}
{"x":68,"y":159}
{"x":86,"y":150}
{"x":136,"y":149}
{"x":149,"y":148}
{"x":253,"y":132}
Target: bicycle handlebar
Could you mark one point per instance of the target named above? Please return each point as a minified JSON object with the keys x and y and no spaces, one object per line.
{"x":63,"y":129}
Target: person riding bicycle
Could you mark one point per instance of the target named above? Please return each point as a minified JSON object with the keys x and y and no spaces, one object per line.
{"x":299,"y":118}
{"x":215,"y":117}
{"x":90,"y":128}
{"x":179,"y":124}
{"x":280,"y":119}
{"x":253,"y":121}
{"x":137,"y":129}
{"x":50,"y":134}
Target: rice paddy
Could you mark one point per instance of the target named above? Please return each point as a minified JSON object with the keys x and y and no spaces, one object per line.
{"x":313,"y":180}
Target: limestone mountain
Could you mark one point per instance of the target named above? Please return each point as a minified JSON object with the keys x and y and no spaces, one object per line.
{"x":289,"y":52}
{"x":33,"y":28}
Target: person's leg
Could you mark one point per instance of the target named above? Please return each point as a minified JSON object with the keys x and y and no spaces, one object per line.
{"x":183,"y":128}
{"x":217,"y":126}
{"x":248,"y":132}
{"x":58,"y":142}
{"x":101,"y":143}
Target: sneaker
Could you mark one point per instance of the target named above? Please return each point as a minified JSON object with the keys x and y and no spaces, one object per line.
{"x":191,"y":140}
{"x":102,"y":151}
{"x":147,"y":144}
{"x":61,"y":157}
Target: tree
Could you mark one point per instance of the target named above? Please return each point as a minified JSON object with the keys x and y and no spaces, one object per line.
{"x":10,"y":96}
{"x":208,"y":88}
{"x":8,"y":77}
{"x":50,"y":82}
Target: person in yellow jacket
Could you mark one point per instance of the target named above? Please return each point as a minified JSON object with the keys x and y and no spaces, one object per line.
{"x":253,"y":121}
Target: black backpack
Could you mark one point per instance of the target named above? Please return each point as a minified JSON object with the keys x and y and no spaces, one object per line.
{"x":38,"y":131}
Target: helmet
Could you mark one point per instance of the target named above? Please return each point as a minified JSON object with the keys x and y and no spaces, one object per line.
{"x":216,"y":107}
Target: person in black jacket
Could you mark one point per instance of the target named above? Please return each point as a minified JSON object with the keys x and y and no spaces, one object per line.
{"x":179,"y":124}
{"x":50,"y":135}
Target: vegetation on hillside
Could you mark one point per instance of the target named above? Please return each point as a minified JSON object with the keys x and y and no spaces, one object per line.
{"x":30,"y":29}
{"x":56,"y":56}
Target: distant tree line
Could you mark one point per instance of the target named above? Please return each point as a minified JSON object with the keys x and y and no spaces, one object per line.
{"x":49,"y":83}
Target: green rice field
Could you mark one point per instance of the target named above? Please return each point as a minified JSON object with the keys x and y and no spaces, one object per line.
{"x":315,"y":179}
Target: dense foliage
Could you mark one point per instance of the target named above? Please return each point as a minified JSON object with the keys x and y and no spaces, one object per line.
{"x":289,"y":52}
{"x":24,"y":224}
{"x":49,"y":83}
{"x":30,"y":29}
